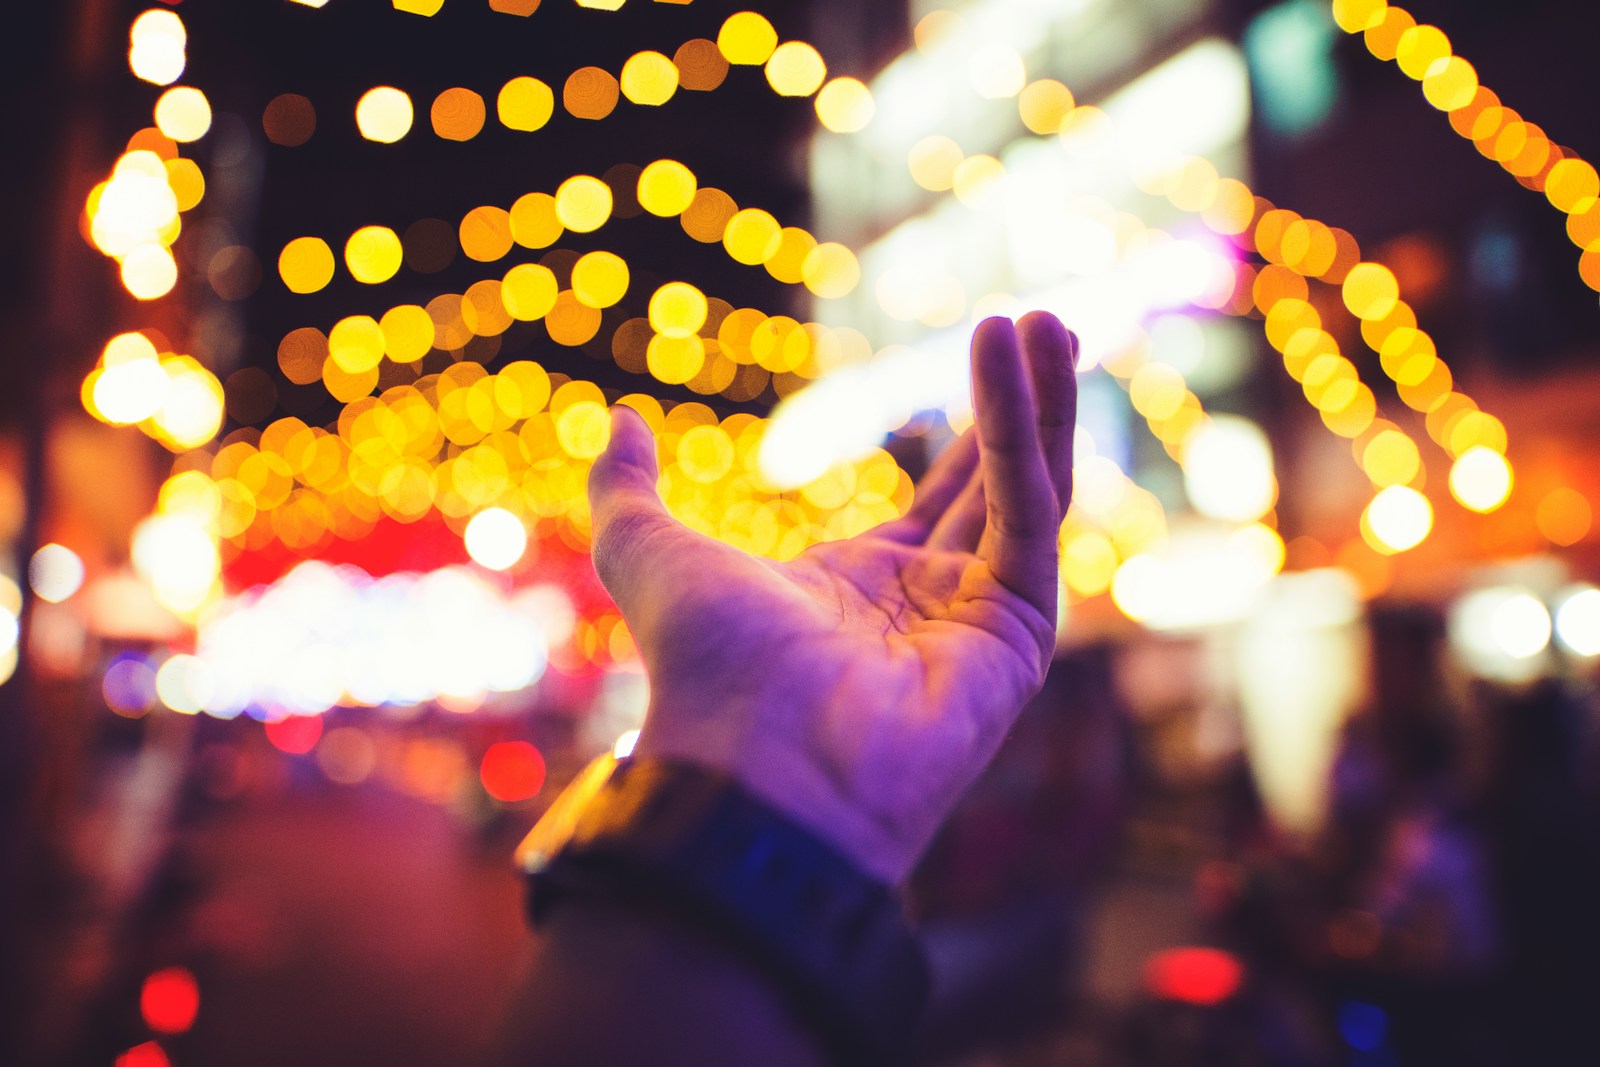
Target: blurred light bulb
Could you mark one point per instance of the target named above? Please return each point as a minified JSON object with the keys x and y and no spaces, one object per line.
{"x":495,"y":538}
{"x":55,"y":572}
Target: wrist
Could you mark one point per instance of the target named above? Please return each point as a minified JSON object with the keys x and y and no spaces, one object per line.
{"x":847,"y":809}
{"x":668,"y":836}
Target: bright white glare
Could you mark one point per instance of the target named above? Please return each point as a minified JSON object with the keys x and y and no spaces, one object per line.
{"x":845,"y":414}
{"x":1499,"y":632}
{"x":1521,"y":626}
{"x":1190,"y":105}
{"x":184,"y":684}
{"x":996,"y":72}
{"x":1577,"y":622}
{"x":625,"y":743}
{"x":9,"y":631}
{"x":55,"y":572}
{"x":1480,"y":479}
{"x":1300,"y":659}
{"x":159,"y":60}
{"x":1228,"y":471}
{"x":178,"y":557}
{"x":155,"y":24}
{"x":192,"y":412}
{"x":134,"y":207}
{"x":1178,"y":341}
{"x":324,"y":635}
{"x":1202,"y":578}
{"x":1400,"y":518}
{"x":495,"y":538}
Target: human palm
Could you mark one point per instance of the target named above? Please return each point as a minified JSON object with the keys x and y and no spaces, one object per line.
{"x":861,"y":686}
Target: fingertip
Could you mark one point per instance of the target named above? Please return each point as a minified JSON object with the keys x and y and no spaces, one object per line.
{"x":632,"y":441}
{"x":1043,"y":329}
{"x":994,"y":328}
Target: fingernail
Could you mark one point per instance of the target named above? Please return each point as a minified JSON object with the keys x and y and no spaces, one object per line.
{"x":1072,"y":349}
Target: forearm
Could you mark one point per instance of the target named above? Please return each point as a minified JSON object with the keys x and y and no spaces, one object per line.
{"x":611,"y":984}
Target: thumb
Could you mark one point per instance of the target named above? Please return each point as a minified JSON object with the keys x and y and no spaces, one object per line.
{"x":626,"y":509}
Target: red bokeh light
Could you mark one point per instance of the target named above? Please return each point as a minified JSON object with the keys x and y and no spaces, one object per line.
{"x":148,"y":1054}
{"x":296,"y":734}
{"x":1193,"y":975}
{"x":169,"y":1001}
{"x":512,"y":771}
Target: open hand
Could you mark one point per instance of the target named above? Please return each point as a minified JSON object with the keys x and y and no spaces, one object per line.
{"x":860,"y":687}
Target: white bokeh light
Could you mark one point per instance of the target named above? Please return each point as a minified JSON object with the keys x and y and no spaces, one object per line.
{"x":495,"y":538}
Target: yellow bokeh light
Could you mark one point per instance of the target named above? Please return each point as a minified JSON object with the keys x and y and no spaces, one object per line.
{"x":384,"y":114}
{"x":183,"y":113}
{"x":705,"y":453}
{"x":1356,"y":16}
{"x":1371,"y":291}
{"x":571,"y":322}
{"x":1157,"y":391}
{"x":483,"y":309}
{"x":1473,"y":429}
{"x":1571,"y":183}
{"x":1088,"y":563}
{"x":149,"y":272}
{"x":192,"y":413}
{"x":708,"y":214}
{"x":590,"y":93}
{"x":1043,"y":106}
{"x":485,"y":233}
{"x":1383,"y":35}
{"x":584,"y":428}
{"x":701,"y":66}
{"x":534,"y":222}
{"x":677,"y":309}
{"x":583,"y":203}
{"x":1397,"y":519}
{"x":525,"y":104}
{"x":529,"y":291}
{"x":1450,"y":84}
{"x":1480,"y":479}
{"x":747,"y":38}
{"x":845,"y":105}
{"x":356,"y":344}
{"x":187,"y":182}
{"x":427,"y":8}
{"x":674,"y":360}
{"x":649,"y":78}
{"x":373,"y":254}
{"x":831,"y":270}
{"x":407,"y":333}
{"x":787,"y":261}
{"x":795,"y":69}
{"x":1564,"y":516}
{"x":976,"y":179}
{"x":1419,"y":48}
{"x":599,"y":279}
{"x":751,"y":236}
{"x":458,"y":114}
{"x":666,"y":188}
{"x":933,"y":162}
{"x":1391,"y":458}
{"x":306,"y":264}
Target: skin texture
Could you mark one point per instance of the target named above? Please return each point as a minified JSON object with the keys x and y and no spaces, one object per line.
{"x":860,"y":687}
